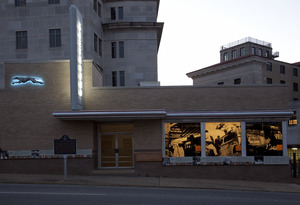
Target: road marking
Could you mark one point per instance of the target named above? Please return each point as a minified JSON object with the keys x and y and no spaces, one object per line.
{"x":53,"y":193}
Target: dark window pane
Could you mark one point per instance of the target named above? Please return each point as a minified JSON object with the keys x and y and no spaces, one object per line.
{"x":114,"y":78}
{"x":121,"y":49}
{"x":120,"y":12}
{"x":113,"y":13}
{"x":113,"y":49}
{"x":122,"y":78}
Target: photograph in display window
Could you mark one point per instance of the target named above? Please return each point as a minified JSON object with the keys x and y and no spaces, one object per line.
{"x":223,"y":138}
{"x":182,"y":139}
{"x":264,"y":138}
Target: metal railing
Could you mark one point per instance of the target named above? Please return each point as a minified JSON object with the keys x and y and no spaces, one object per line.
{"x":244,"y":40}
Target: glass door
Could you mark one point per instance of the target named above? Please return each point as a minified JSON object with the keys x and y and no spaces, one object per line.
{"x":124,"y":155}
{"x":116,"y":151}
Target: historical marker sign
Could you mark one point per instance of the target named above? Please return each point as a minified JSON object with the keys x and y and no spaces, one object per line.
{"x":65,"y":145}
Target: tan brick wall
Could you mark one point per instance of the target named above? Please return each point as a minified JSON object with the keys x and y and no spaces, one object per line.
{"x":147,"y":135}
{"x":188,"y":98}
{"x":26,"y":121}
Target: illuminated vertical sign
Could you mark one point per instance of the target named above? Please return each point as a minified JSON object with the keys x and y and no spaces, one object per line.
{"x":76,"y":56}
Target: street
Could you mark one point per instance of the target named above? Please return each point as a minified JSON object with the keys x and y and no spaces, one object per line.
{"x":11,"y":194}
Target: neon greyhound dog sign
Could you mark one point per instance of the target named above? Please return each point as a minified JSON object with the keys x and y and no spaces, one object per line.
{"x":18,"y":80}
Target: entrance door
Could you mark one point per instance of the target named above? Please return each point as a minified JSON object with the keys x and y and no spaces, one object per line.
{"x":116,"y":151}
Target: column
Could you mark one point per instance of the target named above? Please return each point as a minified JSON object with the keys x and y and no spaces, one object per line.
{"x":284,"y":138}
{"x":243,"y":139}
{"x":203,"y":140}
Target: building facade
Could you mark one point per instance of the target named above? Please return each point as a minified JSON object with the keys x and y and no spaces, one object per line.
{"x":252,"y":62}
{"x":206,"y":131}
{"x":53,"y":102}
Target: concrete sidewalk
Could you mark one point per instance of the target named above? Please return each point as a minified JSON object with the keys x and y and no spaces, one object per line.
{"x":152,"y":182}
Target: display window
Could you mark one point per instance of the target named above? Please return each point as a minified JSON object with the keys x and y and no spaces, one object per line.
{"x":182,"y":139}
{"x":264,"y":138}
{"x":223,"y":138}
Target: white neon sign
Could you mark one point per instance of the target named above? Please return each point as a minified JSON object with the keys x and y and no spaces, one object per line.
{"x":79,"y":59}
{"x":76,"y":64}
{"x":21,"y":80}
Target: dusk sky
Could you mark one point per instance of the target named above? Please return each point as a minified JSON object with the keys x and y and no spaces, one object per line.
{"x":195,"y":30}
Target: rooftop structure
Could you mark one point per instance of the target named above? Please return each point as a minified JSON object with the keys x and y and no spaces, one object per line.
{"x":245,"y":40}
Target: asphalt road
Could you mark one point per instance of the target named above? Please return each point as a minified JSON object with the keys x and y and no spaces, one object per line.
{"x":29,"y":194}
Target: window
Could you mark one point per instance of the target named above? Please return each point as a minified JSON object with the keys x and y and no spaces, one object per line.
{"x":242,"y":51}
{"x":269,"y":81}
{"x":260,"y":52}
{"x":122,"y":78}
{"x":223,"y":138}
{"x":253,"y":51}
{"x":100,"y":47}
{"x":225,"y":56}
{"x":221,"y":83}
{"x":95,"y":43}
{"x":21,"y":39}
{"x":19,"y":3}
{"x":293,"y":119}
{"x":55,"y":38}
{"x":295,"y":87}
{"x":114,"y":78}
{"x":113,"y":49}
{"x":237,"y":81}
{"x":282,"y":69}
{"x":282,"y":82}
{"x":182,"y":139}
{"x":99,"y":9}
{"x":267,"y":54}
{"x":120,"y":12}
{"x":269,"y":66}
{"x":53,"y":1}
{"x":233,"y":54}
{"x":264,"y":139}
{"x":295,"y":72}
{"x":121,"y":49}
{"x":113,"y":13}
{"x":95,"y":5}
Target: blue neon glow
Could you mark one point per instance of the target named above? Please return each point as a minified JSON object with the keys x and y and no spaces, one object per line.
{"x":21,"y":80}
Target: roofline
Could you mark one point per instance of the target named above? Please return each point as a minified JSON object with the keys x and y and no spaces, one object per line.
{"x":137,"y":25}
{"x":203,"y":70}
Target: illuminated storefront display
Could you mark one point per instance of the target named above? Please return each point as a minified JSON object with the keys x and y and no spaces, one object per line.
{"x":183,"y":139}
{"x":223,"y":139}
{"x":264,"y":139}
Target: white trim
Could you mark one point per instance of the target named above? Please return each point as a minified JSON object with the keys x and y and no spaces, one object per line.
{"x":284,"y":138}
{"x":203,"y":140}
{"x":243,"y":139}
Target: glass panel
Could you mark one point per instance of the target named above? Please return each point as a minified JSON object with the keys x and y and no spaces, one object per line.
{"x":125,"y":151}
{"x":182,"y":139}
{"x":223,"y":139}
{"x":264,"y":138}
{"x":105,"y":128}
{"x":108,"y":155}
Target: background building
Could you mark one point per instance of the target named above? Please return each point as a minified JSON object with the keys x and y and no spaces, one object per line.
{"x":120,"y":38}
{"x":251,"y":61}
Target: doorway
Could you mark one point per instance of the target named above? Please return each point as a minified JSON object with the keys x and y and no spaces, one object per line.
{"x":116,"y":146}
{"x":116,"y":151}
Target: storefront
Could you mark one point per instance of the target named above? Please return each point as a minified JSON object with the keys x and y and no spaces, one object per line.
{"x":183,"y":131}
